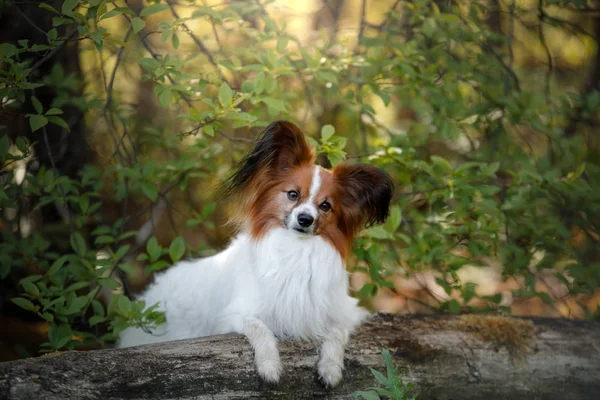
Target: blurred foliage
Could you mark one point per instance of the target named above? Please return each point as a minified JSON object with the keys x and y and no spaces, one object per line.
{"x":480,"y":112}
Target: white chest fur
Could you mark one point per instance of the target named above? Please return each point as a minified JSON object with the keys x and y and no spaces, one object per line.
{"x":302,"y":281}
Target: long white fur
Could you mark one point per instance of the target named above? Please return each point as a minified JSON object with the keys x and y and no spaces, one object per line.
{"x":285,"y":285}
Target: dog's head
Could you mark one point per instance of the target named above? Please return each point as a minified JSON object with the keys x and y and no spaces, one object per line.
{"x":277,"y":184}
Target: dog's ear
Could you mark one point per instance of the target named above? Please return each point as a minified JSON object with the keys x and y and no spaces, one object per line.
{"x":280,"y":147}
{"x":365,"y":194}
{"x":287,"y":146}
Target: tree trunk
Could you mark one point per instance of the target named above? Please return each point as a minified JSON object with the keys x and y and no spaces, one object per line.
{"x":467,"y":357}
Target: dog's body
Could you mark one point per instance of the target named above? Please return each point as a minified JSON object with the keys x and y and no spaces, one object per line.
{"x":284,"y":275}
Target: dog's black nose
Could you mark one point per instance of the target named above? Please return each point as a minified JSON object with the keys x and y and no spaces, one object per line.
{"x":305,"y":220}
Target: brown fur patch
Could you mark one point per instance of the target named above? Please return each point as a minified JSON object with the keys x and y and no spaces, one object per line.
{"x":271,"y":203}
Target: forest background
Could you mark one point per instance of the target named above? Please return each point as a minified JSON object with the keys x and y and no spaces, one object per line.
{"x":118,"y":119}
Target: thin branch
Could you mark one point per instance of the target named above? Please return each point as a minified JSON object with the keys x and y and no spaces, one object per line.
{"x":60,"y":190}
{"x":545,"y":46}
{"x":147,"y":229}
{"x":307,"y":91}
{"x":114,"y":71}
{"x":109,"y":91}
{"x":361,"y":28}
{"x":26,"y":18}
{"x":233,"y":138}
{"x":390,"y":14}
{"x":511,"y":56}
{"x":54,"y":51}
{"x":570,"y":26}
{"x":198,"y":43}
{"x":378,"y":124}
{"x":592,"y":85}
{"x":171,"y":217}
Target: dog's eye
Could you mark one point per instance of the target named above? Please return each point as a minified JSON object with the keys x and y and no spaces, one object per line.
{"x":293,"y":195}
{"x":325,"y":206}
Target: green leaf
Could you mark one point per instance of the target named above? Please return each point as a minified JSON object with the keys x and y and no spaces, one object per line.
{"x":150,"y":189}
{"x":127,"y":268}
{"x":121,"y":252}
{"x":78,"y":243}
{"x":96,"y":319}
{"x":57,"y":265}
{"x":37,"y":105}
{"x":109,"y":283}
{"x":208,"y":130}
{"x":394,"y":220}
{"x":366,"y":395}
{"x":225,"y":95}
{"x":175,"y":41}
{"x":84,"y":204}
{"x":31,"y":289}
{"x":335,"y":158}
{"x":545,"y":297}
{"x":104,"y":239}
{"x":77,"y":286}
{"x":48,"y":317}
{"x":112,"y":13}
{"x":378,"y":232}
{"x":165,"y":35}
{"x":368,"y":290}
{"x":259,"y":83}
{"x":153,"y":249}
{"x":22,"y":144}
{"x":31,"y":279}
{"x":149,"y":64}
{"x":59,"y":335}
{"x":276,"y":104}
{"x":282,"y":42}
{"x":8,"y":50}
{"x":98,"y":308}
{"x":77,"y":304}
{"x":153,"y":9}
{"x":442,"y":162}
{"x":60,"y":122}
{"x":390,"y":369}
{"x":208,"y":209}
{"x":454,"y":306}
{"x":48,"y":7}
{"x":54,"y":111}
{"x":37,"y":121}
{"x":24,"y":303}
{"x":159,"y":265}
{"x":327,"y":131}
{"x":124,"y":304}
{"x":138,"y":24}
{"x":382,"y":379}
{"x":445,"y":285}
{"x":69,"y":5}
{"x":164,"y":98}
{"x":177,"y":249}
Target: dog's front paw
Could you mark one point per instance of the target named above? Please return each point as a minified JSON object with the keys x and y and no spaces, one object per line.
{"x":269,"y":370}
{"x":330,"y":373}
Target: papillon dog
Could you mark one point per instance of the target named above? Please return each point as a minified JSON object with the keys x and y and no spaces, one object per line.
{"x":284,"y":275}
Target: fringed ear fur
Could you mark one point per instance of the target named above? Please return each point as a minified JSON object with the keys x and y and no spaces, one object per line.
{"x":366,"y":187}
{"x":280,"y":147}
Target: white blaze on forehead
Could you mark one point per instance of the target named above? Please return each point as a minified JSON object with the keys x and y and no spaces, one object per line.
{"x":308,"y":206}
{"x":315,"y":185}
